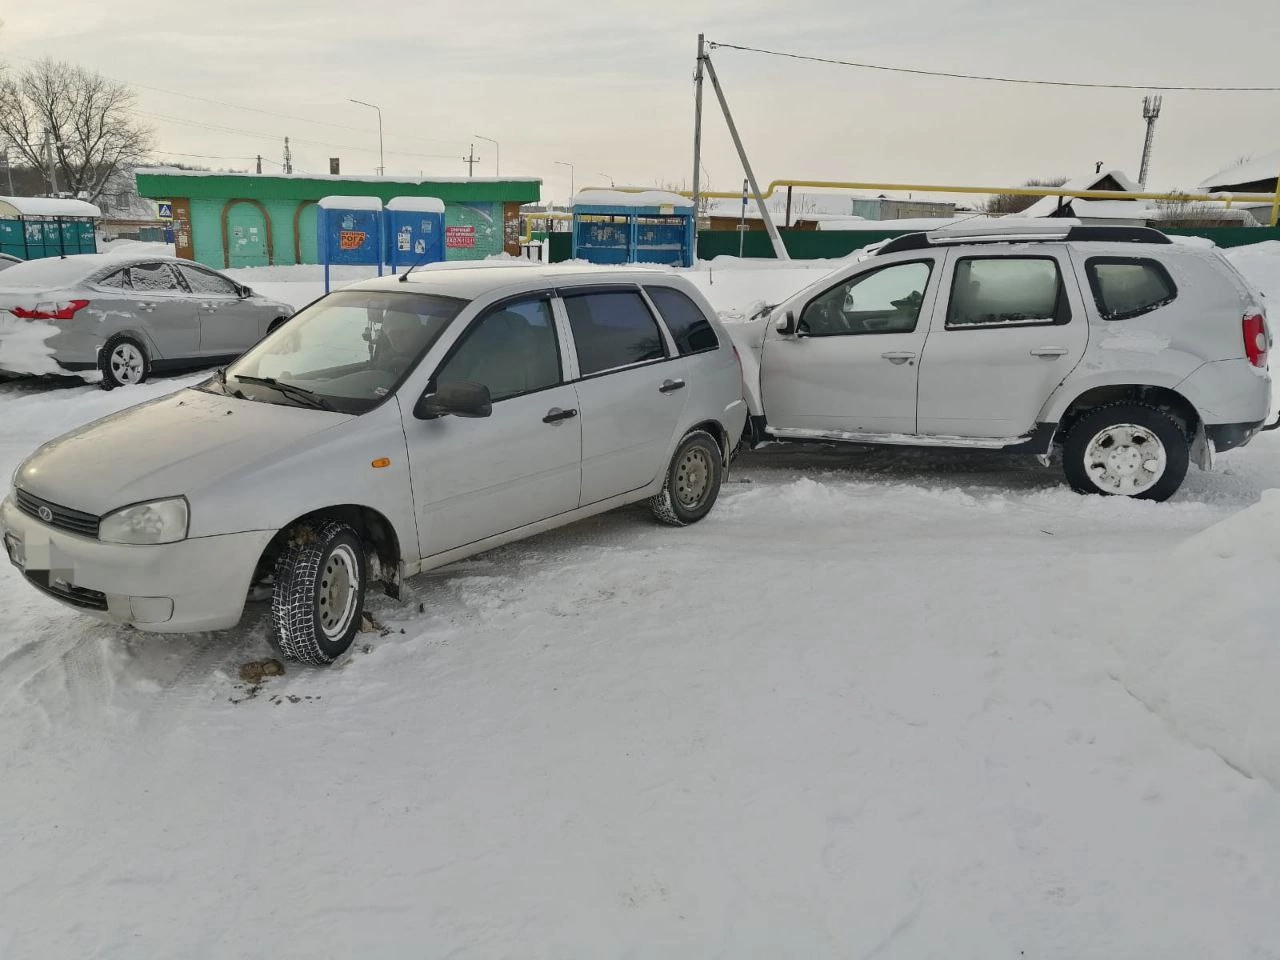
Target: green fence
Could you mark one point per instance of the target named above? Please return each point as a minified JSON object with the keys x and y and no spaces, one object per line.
{"x":37,"y":239}
{"x":827,"y":244}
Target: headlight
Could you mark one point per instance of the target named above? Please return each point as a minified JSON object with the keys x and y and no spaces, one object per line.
{"x":158,"y":521}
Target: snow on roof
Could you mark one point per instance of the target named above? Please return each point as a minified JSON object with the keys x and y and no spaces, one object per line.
{"x":416,"y":204}
{"x":51,"y":273}
{"x":1046,"y":206}
{"x":1252,"y":170}
{"x":46,"y":207}
{"x":175,"y":172}
{"x":618,"y":198}
{"x":912,"y":223}
{"x":349,"y":203}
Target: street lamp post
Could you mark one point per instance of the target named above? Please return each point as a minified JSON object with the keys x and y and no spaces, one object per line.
{"x":497,"y":160}
{"x":565,"y":163}
{"x":382,"y":167}
{"x":607,"y":177}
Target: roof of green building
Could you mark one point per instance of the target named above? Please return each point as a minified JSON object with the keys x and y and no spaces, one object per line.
{"x":166,"y":183}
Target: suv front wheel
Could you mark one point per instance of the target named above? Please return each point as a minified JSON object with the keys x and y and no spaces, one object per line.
{"x":1126,"y":450}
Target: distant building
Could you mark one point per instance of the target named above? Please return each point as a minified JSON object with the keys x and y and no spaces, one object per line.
{"x":887,"y":208}
{"x":1255,"y":175}
{"x":1119,"y":213}
{"x":255,"y":220}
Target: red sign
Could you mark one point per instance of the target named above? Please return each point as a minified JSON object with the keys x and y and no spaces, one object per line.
{"x":459,"y":236}
{"x":351,"y":239}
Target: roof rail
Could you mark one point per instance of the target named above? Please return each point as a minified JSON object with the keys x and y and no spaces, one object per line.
{"x":939,"y":238}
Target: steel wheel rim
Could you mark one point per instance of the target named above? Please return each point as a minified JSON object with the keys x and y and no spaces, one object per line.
{"x":337,"y":591}
{"x":693,"y":476}
{"x":1125,"y":459}
{"x":126,"y":363}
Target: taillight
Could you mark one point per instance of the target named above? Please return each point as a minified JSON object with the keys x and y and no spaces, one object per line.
{"x":1256,"y":339}
{"x":65,"y":310}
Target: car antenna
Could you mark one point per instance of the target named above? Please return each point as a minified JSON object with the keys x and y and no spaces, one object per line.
{"x":405,"y":276}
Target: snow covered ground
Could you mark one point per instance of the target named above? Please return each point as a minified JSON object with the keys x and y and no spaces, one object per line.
{"x":878,"y":704}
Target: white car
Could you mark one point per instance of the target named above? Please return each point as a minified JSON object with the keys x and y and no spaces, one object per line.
{"x":391,"y":427}
{"x":1133,"y":355}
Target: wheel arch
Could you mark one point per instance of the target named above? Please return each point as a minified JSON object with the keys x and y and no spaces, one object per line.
{"x":1148,"y":394}
{"x":717,"y":430}
{"x":375,"y":530}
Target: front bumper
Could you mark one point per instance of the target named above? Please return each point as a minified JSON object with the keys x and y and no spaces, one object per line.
{"x":191,"y":585}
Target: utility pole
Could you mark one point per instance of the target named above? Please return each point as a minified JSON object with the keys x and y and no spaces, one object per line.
{"x":1150,"y":112}
{"x":8,"y":166}
{"x":697,"y":126}
{"x":259,"y":163}
{"x":779,"y":248}
{"x":288,"y":157}
{"x":471,"y":161}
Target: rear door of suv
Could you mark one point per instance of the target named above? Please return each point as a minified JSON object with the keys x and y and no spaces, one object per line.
{"x":1010,"y":326}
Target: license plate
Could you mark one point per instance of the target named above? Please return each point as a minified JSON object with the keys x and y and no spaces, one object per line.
{"x":13,"y":546}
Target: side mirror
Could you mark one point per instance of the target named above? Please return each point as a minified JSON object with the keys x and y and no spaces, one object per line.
{"x":245,"y":292}
{"x":461,"y":398}
{"x":786,"y":324}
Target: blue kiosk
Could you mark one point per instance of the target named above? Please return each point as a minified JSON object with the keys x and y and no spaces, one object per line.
{"x":653,"y":226}
{"x":414,"y":228}
{"x":349,"y":231}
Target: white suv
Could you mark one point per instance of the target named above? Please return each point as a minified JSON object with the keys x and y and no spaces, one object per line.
{"x":391,"y":427}
{"x":1133,"y":354}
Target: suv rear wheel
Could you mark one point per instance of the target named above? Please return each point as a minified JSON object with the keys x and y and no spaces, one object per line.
{"x":1126,"y":450}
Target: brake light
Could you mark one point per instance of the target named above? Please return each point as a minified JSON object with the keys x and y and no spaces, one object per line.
{"x":65,"y":310}
{"x":1256,"y":338}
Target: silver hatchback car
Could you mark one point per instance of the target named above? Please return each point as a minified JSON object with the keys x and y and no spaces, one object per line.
{"x":126,"y":317}
{"x":391,"y":427}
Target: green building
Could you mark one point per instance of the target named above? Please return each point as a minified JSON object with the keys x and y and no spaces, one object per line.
{"x":257,"y":220}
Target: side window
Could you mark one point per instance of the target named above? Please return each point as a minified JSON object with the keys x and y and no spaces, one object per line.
{"x":512,"y":350}
{"x":689,"y":328}
{"x":613,"y":329}
{"x":201,"y":281}
{"x":1124,"y":287}
{"x":115,"y":281}
{"x":1006,"y":292}
{"x":887,"y":300}
{"x":153,"y":278}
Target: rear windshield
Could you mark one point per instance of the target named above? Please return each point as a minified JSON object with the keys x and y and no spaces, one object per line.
{"x":350,"y":349}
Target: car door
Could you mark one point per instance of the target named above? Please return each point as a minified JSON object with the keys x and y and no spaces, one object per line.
{"x":1010,"y":327}
{"x":229,"y":325}
{"x":475,"y":478}
{"x":631,"y":388}
{"x":850,"y":365}
{"x":165,"y":311}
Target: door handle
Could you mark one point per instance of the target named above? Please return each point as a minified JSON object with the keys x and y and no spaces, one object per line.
{"x":1049,"y":353}
{"x":147,"y":307}
{"x":670,"y":386}
{"x":898,"y":356}
{"x":555,"y":415}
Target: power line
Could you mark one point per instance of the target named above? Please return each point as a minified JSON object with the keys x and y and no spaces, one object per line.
{"x":991,"y":79}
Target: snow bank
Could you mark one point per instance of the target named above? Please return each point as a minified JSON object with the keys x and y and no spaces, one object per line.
{"x":416,"y":204}
{"x":338,"y":202}
{"x":1196,"y":637}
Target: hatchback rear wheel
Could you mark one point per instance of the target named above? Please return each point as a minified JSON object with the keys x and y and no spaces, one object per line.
{"x":693,"y":481}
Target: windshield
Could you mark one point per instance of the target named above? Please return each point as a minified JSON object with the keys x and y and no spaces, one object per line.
{"x":349,"y":350}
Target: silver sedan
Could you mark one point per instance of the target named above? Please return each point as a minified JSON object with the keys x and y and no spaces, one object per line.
{"x":126,"y":317}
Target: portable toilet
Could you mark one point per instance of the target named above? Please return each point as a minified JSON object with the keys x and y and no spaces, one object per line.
{"x":414,"y":228}
{"x":36,"y":227}
{"x":349,"y":231}
{"x":652,"y":226}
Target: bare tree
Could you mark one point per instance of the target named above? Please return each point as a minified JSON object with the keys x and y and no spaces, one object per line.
{"x":1002,"y":204}
{"x":88,"y":118}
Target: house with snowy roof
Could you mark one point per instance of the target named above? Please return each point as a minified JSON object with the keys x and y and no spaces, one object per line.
{"x":1248,"y":175}
{"x":1119,"y":212}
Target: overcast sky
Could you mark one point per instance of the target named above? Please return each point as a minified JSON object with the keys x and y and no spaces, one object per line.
{"x":607,"y":86}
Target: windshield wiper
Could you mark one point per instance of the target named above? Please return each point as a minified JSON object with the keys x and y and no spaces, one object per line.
{"x":289,"y":390}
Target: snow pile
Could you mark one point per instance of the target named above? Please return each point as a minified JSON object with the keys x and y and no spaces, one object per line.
{"x":23,"y":349}
{"x":1196,"y":635}
{"x":1260,"y":264}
